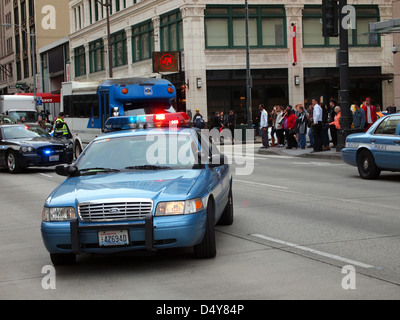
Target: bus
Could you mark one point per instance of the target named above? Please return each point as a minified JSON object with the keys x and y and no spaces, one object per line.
{"x":88,"y":105}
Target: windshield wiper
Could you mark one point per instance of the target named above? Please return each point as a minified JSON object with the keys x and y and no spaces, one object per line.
{"x":148,"y":167}
{"x":98,"y":170}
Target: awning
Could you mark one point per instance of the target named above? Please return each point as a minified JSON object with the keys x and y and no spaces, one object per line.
{"x":46,"y":97}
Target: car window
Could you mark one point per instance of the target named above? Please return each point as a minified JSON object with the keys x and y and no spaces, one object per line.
{"x":40,"y":131}
{"x":18,"y":132}
{"x":388,"y":126}
{"x":174,"y":151}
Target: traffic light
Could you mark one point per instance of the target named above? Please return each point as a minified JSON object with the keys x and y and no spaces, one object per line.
{"x":330,"y":18}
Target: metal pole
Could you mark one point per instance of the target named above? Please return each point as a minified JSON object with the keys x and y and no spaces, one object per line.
{"x":248,"y":73}
{"x":346,"y":118}
{"x":33,"y":70}
{"x":110,"y":67}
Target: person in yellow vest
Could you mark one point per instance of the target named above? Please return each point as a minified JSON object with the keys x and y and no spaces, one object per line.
{"x":61,"y":128}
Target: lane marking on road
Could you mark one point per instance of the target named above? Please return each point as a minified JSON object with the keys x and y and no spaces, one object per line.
{"x":317,"y":252}
{"x":46,"y":175}
{"x":261,"y":184}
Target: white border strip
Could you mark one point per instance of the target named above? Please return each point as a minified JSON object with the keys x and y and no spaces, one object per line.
{"x":331,"y":256}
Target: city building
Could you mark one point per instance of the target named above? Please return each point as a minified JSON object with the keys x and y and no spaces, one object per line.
{"x":290,"y":60}
{"x":34,"y":31}
{"x":6,"y":47}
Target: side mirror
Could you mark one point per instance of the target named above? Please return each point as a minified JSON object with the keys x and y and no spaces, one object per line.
{"x":67,"y":171}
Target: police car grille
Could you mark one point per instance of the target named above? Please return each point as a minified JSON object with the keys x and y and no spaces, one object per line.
{"x":115,"y":211}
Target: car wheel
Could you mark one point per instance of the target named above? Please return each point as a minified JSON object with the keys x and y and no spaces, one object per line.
{"x":59,"y":259}
{"x":78,"y":150}
{"x":227,"y":216}
{"x":206,"y":249}
{"x":366,"y":165}
{"x":13,"y":164}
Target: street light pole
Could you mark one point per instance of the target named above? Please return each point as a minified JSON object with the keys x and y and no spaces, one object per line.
{"x":344,"y":93}
{"x":32,"y":36}
{"x":107,"y":5}
{"x":248,"y":73}
{"x":34,"y":71}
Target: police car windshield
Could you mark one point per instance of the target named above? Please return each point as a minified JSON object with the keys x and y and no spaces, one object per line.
{"x":160,"y":151}
{"x":19,"y":132}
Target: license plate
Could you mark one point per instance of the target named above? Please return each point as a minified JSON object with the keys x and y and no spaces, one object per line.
{"x":54,"y":158}
{"x":113,"y":238}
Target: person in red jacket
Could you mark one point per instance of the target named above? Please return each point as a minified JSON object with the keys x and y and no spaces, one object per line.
{"x":370,"y":113}
{"x":289,"y":125}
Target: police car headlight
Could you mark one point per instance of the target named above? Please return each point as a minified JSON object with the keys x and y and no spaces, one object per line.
{"x":58,"y":214}
{"x":27,"y":149}
{"x":179,"y":207}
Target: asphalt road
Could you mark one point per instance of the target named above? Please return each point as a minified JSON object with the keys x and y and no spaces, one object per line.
{"x":304,"y":229}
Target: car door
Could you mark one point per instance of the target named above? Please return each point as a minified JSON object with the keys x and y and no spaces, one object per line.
{"x":219,"y":177}
{"x":2,"y":149}
{"x":386,"y":143}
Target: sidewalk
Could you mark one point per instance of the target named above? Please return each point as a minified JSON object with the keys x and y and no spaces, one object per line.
{"x":306,"y":153}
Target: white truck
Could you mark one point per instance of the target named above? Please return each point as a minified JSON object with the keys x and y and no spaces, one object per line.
{"x":19,"y":107}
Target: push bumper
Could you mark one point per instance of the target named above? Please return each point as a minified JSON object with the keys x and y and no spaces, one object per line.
{"x":150,"y":234}
{"x":77,"y":228}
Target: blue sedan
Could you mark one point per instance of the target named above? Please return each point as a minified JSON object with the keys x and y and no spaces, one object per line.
{"x":140,"y":189}
{"x":376,"y":150}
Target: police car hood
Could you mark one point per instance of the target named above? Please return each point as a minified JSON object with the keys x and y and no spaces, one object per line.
{"x":161,"y":185}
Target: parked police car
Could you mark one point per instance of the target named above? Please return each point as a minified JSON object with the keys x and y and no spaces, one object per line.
{"x":376,"y":150}
{"x":149,"y":184}
{"x":23,"y":146}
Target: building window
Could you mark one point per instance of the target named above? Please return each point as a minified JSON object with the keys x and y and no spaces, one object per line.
{"x":80,"y":61}
{"x":358,"y":36}
{"x":96,"y":57}
{"x":171,"y":28}
{"x":118,"y":48}
{"x":142,"y":41}
{"x":226,"y":27}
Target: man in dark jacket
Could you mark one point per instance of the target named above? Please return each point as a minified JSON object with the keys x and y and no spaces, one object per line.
{"x":232,"y":122}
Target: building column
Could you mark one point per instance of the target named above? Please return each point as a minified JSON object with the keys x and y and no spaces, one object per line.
{"x":87,"y":60}
{"x":295,"y":70}
{"x":388,"y":92}
{"x":156,"y":27}
{"x":129,"y":53}
{"x":194,"y":58}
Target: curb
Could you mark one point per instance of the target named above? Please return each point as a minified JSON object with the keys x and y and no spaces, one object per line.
{"x":331,"y":155}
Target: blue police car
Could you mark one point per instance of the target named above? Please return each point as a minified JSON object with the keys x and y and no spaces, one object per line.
{"x":376,"y":150}
{"x":148,"y":184}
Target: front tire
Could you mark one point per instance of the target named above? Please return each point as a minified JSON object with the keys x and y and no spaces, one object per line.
{"x":206,"y":249}
{"x":13,"y":164}
{"x":77,"y":150}
{"x":366,"y":166}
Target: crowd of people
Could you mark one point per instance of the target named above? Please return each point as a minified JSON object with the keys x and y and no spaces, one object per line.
{"x":288,"y":127}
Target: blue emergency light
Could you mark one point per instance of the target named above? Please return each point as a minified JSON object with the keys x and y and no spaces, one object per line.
{"x":147,"y":121}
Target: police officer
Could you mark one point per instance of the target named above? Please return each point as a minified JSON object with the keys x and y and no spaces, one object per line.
{"x":61,"y":128}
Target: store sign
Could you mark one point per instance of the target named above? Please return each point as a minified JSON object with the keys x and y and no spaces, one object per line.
{"x":166,"y":61}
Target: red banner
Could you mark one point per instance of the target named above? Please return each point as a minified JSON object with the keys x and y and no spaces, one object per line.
{"x":294,"y":44}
